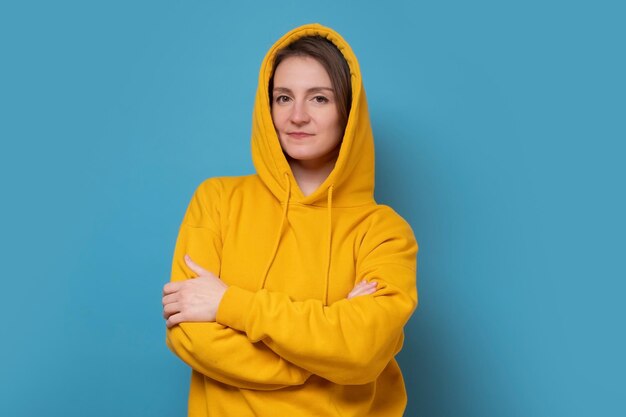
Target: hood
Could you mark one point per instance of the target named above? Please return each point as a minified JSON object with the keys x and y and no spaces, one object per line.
{"x":352,"y":180}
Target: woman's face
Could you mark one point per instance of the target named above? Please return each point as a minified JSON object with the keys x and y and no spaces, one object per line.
{"x":304,"y":112}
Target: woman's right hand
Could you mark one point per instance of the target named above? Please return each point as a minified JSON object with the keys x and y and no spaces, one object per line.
{"x":362,"y":288}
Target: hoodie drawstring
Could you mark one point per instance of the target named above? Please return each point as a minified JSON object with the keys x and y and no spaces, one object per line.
{"x":330,"y":242}
{"x":279,"y":234}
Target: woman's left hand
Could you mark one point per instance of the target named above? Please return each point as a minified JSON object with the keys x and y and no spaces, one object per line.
{"x":195,"y":299}
{"x":363,"y":288}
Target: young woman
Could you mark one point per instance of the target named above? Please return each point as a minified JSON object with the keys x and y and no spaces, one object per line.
{"x":290,"y":288}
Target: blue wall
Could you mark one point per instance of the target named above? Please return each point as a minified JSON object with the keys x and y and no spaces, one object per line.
{"x":500,"y":130}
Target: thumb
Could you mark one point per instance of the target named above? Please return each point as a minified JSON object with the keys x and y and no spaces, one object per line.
{"x":201,"y":272}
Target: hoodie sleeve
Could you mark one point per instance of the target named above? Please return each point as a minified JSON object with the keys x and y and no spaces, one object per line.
{"x":214,"y":350}
{"x":350,"y":341}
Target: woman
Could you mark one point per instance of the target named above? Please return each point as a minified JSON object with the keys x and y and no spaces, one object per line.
{"x":290,"y":288}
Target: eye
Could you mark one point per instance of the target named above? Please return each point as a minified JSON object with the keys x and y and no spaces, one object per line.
{"x":320,"y":99}
{"x":282,"y":99}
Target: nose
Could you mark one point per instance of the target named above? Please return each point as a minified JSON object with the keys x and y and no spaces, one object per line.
{"x":299,"y":114}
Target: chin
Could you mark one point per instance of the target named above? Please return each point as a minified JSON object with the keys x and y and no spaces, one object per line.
{"x":299,"y":153}
{"x":302,"y":157}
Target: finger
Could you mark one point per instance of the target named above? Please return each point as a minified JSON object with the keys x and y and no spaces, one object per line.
{"x":357,"y":288}
{"x":360,"y":285}
{"x":174,"y":319}
{"x":355,"y":293}
{"x":363,"y":288}
{"x":170,"y":298}
{"x":195,"y":267}
{"x":171,"y":287}
{"x":370,"y":289}
{"x":170,"y":309}
{"x":364,"y":291}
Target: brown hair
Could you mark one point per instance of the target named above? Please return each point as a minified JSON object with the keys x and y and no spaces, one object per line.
{"x":327,"y":54}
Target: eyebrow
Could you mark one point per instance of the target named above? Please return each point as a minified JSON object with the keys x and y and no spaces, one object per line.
{"x":310,"y":90}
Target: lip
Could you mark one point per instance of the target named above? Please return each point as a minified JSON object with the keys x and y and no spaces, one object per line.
{"x":299,"y":135}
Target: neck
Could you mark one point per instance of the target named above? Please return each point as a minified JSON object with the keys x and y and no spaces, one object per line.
{"x":311,"y":174}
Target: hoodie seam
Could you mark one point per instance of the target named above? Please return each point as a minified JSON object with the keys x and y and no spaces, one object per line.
{"x":295,"y":203}
{"x":378,"y":265}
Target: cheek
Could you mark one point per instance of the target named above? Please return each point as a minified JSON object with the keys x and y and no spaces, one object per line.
{"x":335,"y":127}
{"x":276,"y":119}
{"x":280,"y":114}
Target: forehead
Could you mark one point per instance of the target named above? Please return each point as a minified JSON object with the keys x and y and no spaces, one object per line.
{"x":301,"y":72}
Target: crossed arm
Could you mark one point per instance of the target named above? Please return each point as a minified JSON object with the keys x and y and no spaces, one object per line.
{"x":220,"y":352}
{"x":197,"y":299}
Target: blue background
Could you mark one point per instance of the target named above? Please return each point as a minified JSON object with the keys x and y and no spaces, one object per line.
{"x":500,"y":137}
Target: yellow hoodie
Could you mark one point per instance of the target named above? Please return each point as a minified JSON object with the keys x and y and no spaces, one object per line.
{"x":287,"y":342}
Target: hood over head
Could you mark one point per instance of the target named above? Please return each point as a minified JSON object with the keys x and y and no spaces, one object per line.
{"x":351,"y":182}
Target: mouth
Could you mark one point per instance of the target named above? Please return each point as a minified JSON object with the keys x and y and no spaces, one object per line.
{"x":299,"y":135}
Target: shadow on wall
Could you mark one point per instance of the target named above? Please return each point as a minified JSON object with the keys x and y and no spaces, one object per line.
{"x":431,"y":357}
{"x":450,"y":368}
